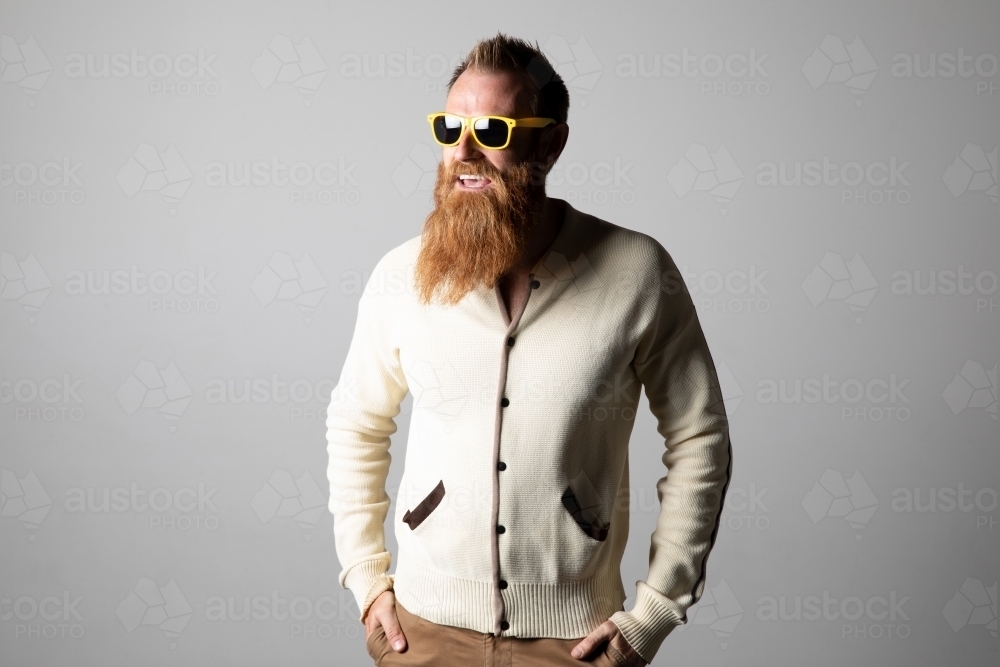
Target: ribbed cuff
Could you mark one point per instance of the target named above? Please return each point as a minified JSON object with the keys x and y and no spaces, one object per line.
{"x":367,"y":580}
{"x":652,"y":618}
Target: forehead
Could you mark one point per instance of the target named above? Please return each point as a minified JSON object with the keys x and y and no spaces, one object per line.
{"x":478,"y":93}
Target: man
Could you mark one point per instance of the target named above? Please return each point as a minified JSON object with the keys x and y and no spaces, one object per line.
{"x":524,"y":329}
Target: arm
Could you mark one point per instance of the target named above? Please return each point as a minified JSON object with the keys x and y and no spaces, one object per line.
{"x":675,"y":366}
{"x":359,"y":423}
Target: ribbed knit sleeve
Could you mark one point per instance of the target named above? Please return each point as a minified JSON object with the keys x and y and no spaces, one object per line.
{"x":676,"y":369}
{"x":359,"y":422}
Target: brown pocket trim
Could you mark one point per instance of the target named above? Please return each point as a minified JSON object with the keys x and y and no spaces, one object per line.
{"x":416,"y":516}
{"x":595,"y":529}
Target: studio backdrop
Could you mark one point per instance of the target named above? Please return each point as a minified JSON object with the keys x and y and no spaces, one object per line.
{"x":193,"y":196}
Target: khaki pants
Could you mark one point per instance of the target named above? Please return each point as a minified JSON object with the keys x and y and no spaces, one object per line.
{"x":432,"y":645}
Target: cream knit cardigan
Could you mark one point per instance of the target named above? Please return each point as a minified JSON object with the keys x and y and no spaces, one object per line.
{"x":513,"y":509}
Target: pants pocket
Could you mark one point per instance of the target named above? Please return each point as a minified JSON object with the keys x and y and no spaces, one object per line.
{"x":372,"y":643}
{"x":616,"y":655}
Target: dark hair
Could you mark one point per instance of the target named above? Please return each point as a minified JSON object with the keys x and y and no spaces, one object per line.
{"x":549,"y":96}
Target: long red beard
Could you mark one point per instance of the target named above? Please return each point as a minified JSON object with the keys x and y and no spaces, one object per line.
{"x":474,"y":238}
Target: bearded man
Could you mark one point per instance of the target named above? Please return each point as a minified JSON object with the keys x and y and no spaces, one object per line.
{"x":524,"y":330}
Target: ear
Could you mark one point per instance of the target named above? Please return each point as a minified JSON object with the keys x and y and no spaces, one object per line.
{"x":551,"y":144}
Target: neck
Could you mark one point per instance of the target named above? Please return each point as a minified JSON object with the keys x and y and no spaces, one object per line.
{"x":548,"y":221}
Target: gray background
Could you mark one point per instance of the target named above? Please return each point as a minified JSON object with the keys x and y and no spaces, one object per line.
{"x":132,"y":389}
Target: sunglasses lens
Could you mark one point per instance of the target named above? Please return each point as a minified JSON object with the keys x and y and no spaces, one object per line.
{"x":447,"y":128}
{"x":491,"y":132}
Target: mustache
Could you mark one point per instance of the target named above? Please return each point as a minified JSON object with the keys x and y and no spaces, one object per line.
{"x":475,"y":168}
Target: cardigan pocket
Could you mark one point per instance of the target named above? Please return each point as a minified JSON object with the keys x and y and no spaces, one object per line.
{"x":589,"y":522}
{"x":416,"y":516}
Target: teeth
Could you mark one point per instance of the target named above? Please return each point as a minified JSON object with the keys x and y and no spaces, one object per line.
{"x":468,"y":177}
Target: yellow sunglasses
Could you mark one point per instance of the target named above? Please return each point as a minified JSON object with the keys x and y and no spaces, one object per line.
{"x":492,"y":132}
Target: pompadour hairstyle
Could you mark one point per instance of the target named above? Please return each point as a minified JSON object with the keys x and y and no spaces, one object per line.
{"x":548,"y":94}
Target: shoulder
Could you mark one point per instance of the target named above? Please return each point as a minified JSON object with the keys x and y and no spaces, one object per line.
{"x":393,"y":272}
{"x":400,"y":257}
{"x":404,"y":253}
{"x":625,"y":251}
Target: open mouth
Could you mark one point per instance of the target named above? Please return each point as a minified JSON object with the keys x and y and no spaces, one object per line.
{"x":472,"y":182}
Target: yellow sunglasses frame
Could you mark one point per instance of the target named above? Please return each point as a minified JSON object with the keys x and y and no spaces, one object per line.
{"x":469,"y":121}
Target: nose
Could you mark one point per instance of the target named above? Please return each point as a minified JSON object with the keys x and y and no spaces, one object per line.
{"x":467,"y":148}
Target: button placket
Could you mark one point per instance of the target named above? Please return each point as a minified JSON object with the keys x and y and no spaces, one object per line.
{"x":499,"y":605}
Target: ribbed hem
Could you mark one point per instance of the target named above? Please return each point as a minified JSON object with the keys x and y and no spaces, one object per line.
{"x":566,"y":611}
{"x":367,"y":580}
{"x":652,"y":618}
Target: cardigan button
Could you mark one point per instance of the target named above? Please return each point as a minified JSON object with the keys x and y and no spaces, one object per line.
{"x":504,"y":625}
{"x":501,"y":465}
{"x":535,"y":284}
{"x":504,"y":402}
{"x":503,"y":584}
{"x":501,"y":529}
{"x":510,"y":342}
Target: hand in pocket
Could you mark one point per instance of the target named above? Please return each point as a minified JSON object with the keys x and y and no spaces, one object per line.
{"x":381,"y":616}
